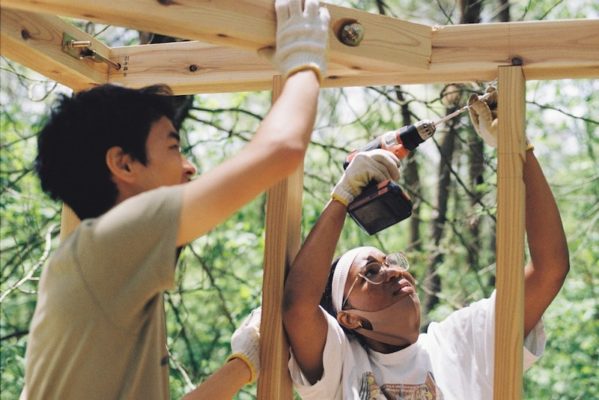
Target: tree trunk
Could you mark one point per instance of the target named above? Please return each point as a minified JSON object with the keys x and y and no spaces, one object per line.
{"x":503,"y":16}
{"x":432,"y":281}
{"x":470,"y":13}
{"x":410,"y":170}
{"x":504,"y":11}
{"x":411,"y":178}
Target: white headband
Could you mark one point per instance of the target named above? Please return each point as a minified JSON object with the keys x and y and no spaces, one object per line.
{"x":340,"y":276}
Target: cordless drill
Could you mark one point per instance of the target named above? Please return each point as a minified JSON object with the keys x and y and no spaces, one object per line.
{"x":383,"y":204}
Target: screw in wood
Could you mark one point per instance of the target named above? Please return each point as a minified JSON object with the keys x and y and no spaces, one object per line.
{"x":25,"y":34}
{"x":351,"y":33}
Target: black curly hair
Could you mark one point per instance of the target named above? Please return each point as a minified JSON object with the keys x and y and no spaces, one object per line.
{"x":81,"y":128}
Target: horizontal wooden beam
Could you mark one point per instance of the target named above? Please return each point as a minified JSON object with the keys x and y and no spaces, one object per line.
{"x":459,"y":53}
{"x":250,"y":25}
{"x":547,"y":50}
{"x":35,"y":41}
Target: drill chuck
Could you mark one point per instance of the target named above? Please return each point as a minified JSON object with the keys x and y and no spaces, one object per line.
{"x":399,"y":142}
{"x":412,"y":135}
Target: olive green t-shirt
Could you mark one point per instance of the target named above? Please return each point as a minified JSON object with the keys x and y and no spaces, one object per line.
{"x":98,"y":331}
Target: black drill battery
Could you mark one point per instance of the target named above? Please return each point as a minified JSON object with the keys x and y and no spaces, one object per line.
{"x":380,"y":206}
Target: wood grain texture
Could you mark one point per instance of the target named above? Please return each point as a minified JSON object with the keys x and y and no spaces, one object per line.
{"x":250,"y":24}
{"x":283,"y":229}
{"x":391,"y":53}
{"x":509,"y":318}
{"x":456,"y":57}
{"x":35,"y":41}
{"x":545,"y":48}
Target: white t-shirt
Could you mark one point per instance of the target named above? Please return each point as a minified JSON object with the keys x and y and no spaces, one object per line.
{"x":452,"y":361}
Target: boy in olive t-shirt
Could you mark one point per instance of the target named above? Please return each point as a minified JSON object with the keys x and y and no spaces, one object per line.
{"x":104,"y":293}
{"x":113,"y":155}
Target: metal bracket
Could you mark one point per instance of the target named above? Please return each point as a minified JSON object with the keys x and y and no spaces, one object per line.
{"x":82,"y":49}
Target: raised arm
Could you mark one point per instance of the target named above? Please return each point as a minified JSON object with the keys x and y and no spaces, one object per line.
{"x":280,"y":143}
{"x":549,"y":265}
{"x":304,"y":322}
{"x":276,"y":151}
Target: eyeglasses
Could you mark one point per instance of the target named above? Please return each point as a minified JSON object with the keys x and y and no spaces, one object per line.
{"x":375,"y":273}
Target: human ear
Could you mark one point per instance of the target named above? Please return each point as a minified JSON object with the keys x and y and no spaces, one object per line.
{"x":348,"y":320}
{"x":120,"y":164}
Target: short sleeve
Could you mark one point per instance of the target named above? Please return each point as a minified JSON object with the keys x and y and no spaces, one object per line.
{"x":534,"y":345}
{"x":468,"y":338}
{"x":127,"y":256}
{"x":332,"y":357}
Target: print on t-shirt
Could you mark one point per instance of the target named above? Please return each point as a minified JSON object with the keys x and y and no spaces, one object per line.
{"x":370,"y":390}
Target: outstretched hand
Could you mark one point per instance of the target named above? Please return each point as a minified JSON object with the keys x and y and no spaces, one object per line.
{"x":302,"y":37}
{"x":377,"y":165}
{"x":483,"y":115}
{"x":245,"y":343}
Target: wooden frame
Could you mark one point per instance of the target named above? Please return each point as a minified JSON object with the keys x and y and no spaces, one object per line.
{"x":283,"y":229}
{"x":35,"y":40}
{"x":196,"y":67}
{"x":393,"y":52}
{"x":510,"y":234}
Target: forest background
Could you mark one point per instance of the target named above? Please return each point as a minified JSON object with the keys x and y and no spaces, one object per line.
{"x":452,"y":179}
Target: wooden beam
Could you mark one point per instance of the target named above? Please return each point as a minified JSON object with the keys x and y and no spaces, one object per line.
{"x":35,"y":41}
{"x":250,"y":24}
{"x":509,"y":318}
{"x":546,"y":49}
{"x":283,"y":229}
{"x":193,"y":67}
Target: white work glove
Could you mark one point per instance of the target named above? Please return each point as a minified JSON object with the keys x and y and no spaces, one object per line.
{"x":483,"y":115}
{"x":377,"y":165}
{"x":245,"y":343}
{"x":302,"y":37}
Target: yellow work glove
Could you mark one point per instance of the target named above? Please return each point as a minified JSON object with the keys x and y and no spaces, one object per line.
{"x":302,"y":37}
{"x":245,"y":343}
{"x":377,"y":165}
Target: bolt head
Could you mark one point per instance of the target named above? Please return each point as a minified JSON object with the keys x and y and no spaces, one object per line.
{"x":351,"y":34}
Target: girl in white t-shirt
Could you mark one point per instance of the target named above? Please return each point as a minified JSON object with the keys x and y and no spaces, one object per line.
{"x":363,"y":340}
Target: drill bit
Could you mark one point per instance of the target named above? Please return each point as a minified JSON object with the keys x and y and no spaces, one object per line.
{"x":459,"y":111}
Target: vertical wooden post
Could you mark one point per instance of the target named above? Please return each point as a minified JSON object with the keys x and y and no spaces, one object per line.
{"x":283,"y":226}
{"x":509,"y":318}
{"x":68,"y":222}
